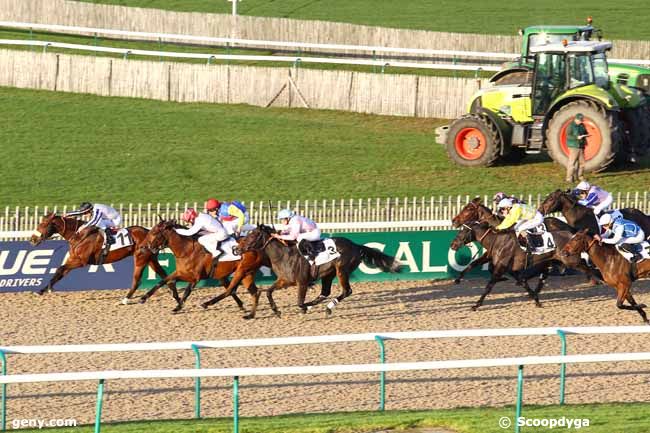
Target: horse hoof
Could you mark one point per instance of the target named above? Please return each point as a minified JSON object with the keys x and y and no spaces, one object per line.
{"x":142,"y":300}
{"x":642,"y":306}
{"x":539,"y":305}
{"x":125,"y":301}
{"x":205,"y":305}
{"x":475,"y":308}
{"x":309,"y":308}
{"x":277,"y":314}
{"x":457,"y":281}
{"x":177,"y":309}
{"x":328,"y":312}
{"x":248,"y":317}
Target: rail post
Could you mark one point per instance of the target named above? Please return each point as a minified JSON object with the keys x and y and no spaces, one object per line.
{"x":126,"y":54}
{"x":374,"y":59}
{"x":210,"y":59}
{"x":520,"y":396}
{"x":98,"y":408}
{"x":197,"y":382}
{"x":382,"y":374}
{"x":235,"y":404}
{"x":562,"y":335}
{"x":383,"y":67}
{"x":160,"y":48}
{"x":3,"y":421}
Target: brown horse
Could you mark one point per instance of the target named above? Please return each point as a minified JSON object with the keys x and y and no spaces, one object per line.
{"x":86,"y":249}
{"x":194,"y":263}
{"x":582,"y":217}
{"x":616,"y":270}
{"x":475,"y":211}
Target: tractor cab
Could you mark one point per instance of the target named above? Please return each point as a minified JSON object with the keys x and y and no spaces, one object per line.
{"x":535,"y":36}
{"x":559,"y":68}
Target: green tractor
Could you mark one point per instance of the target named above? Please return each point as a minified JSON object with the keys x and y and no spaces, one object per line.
{"x":507,"y":121}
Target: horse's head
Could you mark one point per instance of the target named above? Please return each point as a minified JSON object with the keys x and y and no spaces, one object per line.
{"x":45,"y":230}
{"x":464,"y":236}
{"x":255,"y":239}
{"x":469,"y":213}
{"x":158,"y":237}
{"x":552,"y":203}
{"x":579,"y":243}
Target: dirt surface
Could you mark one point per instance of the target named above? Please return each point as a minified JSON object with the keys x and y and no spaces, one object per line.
{"x":97,"y":317}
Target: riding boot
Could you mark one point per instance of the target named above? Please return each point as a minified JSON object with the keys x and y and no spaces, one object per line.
{"x":215,"y":259}
{"x":107,"y":248}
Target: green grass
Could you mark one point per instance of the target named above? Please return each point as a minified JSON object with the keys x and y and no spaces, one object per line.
{"x":619,"y":20}
{"x":61,"y":148}
{"x":603,"y":418}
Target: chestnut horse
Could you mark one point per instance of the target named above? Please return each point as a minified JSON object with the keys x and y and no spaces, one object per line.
{"x":616,"y":270}
{"x":194,"y":263}
{"x":86,"y":249}
{"x":582,"y":217}
{"x":293,"y":269}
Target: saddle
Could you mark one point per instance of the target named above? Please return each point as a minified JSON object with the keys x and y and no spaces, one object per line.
{"x":311,"y":249}
{"x":537,"y":241}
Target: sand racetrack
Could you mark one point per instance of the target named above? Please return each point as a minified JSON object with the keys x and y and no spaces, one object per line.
{"x":96,"y":317}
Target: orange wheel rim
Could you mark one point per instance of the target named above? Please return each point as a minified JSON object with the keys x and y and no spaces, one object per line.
{"x":594,"y":141}
{"x":470,"y":143}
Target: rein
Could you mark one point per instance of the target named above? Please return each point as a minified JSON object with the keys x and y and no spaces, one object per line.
{"x":485,"y":234}
{"x":591,"y":244}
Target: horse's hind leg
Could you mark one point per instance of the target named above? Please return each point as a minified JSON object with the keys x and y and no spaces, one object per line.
{"x":170,"y":281}
{"x":225,"y":283}
{"x":61,"y":272}
{"x":496,"y":275}
{"x":478,"y":262}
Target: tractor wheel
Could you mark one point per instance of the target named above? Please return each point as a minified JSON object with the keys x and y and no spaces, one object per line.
{"x":473,"y":141}
{"x":604,"y":128}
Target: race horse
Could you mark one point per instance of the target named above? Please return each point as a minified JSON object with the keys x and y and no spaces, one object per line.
{"x":293,"y":269}
{"x":617,"y":271}
{"x":85,"y":248}
{"x":504,"y":254}
{"x":194,"y":263}
{"x":582,"y":217}
{"x":475,"y":211}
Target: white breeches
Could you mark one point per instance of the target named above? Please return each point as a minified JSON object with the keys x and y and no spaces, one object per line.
{"x":599,"y":208}
{"x":311,"y":236}
{"x":530,"y":224}
{"x":231,"y":226}
{"x":640,"y":237}
{"x":211,"y":240}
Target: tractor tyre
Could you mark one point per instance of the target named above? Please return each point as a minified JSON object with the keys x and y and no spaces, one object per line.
{"x":473,"y":141}
{"x":604,"y":127}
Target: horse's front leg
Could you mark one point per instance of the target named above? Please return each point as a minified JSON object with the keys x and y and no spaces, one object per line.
{"x":496,"y":275}
{"x":225,"y":283}
{"x":186,"y":294}
{"x":140,"y":261}
{"x":62,"y":271}
{"x":478,"y":262}
{"x":326,"y":290}
{"x":170,"y":280}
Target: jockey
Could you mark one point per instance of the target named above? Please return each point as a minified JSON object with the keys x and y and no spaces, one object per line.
{"x":211,"y":229}
{"x":501,"y":195}
{"x":103,"y":217}
{"x":623,"y":233}
{"x":233,"y":216}
{"x":593,"y":197}
{"x":522,"y":216}
{"x":299,"y":228}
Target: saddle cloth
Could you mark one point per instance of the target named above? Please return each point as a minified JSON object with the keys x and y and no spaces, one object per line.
{"x":326,"y":250}
{"x":541,"y":241}
{"x":121,"y":239}
{"x":227,"y":247}
{"x":644,"y":250}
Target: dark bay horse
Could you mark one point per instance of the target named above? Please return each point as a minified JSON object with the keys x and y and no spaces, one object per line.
{"x":194,"y":263}
{"x":503,"y":253}
{"x":582,"y":217}
{"x":475,"y":211}
{"x":86,"y":249}
{"x":616,"y":270}
{"x":292,"y":269}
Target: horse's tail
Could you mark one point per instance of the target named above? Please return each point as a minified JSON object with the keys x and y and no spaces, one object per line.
{"x":378,"y":259}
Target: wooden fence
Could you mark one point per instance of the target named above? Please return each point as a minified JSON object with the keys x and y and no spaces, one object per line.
{"x":20,"y":218}
{"x":439,"y":97}
{"x":66,"y":12}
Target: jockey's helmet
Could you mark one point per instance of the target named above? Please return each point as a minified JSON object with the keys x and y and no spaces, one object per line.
{"x":583,"y":186}
{"x":505,"y":203}
{"x":605,"y":219}
{"x":189,"y":215}
{"x":86,"y":207}
{"x":212,"y":204}
{"x":499,"y":196}
{"x":285,"y":214}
